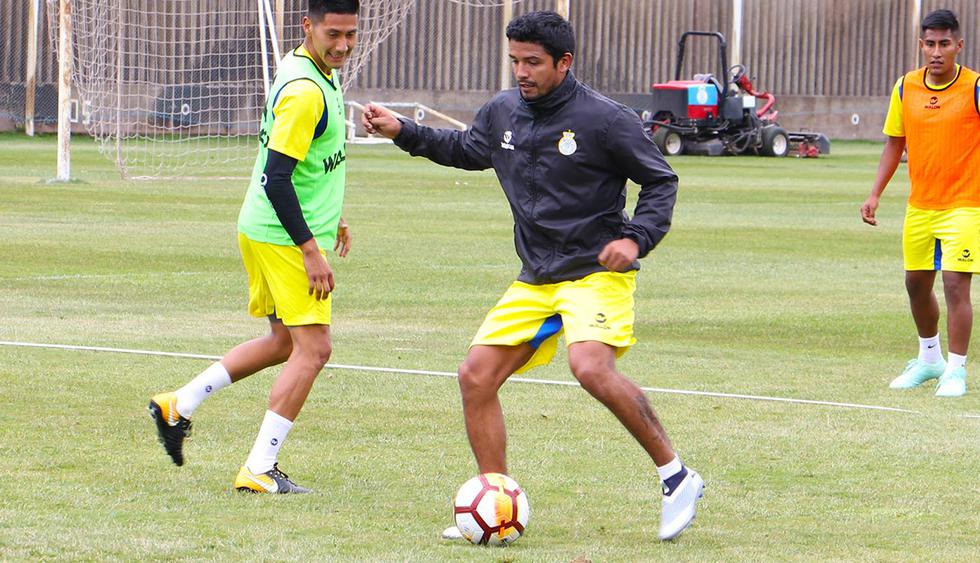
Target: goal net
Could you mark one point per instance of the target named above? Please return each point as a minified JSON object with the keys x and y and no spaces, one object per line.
{"x":175,"y":88}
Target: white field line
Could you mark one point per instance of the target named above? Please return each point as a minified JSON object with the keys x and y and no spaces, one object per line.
{"x":99,"y":276}
{"x":453,"y":375}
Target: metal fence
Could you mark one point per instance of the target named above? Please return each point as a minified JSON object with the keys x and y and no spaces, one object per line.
{"x":794,"y":47}
{"x":830,"y":48}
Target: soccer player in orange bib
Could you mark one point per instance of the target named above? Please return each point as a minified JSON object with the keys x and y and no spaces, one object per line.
{"x":935,"y":113}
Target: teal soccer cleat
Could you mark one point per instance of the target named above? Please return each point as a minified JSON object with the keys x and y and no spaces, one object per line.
{"x":952,"y":384}
{"x":916,"y":373}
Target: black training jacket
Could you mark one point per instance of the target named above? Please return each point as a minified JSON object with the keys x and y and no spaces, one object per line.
{"x":563,"y":161}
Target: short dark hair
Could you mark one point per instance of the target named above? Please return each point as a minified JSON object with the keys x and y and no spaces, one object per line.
{"x":320,"y":8}
{"x":545,"y":28}
{"x":941,"y":20}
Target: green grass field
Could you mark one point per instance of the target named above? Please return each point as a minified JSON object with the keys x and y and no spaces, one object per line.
{"x":768,"y":284}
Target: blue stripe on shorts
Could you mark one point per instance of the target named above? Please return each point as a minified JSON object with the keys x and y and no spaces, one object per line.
{"x":937,"y":261}
{"x":549,"y":328}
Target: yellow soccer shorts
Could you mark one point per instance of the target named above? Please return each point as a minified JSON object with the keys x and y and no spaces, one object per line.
{"x":598,"y":307}
{"x":946,"y":239}
{"x":278,"y":285}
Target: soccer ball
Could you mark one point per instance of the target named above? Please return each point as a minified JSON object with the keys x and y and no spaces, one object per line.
{"x":491,"y":509}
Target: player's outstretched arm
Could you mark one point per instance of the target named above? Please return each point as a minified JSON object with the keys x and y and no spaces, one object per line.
{"x":380,"y":121}
{"x":467,"y":149}
{"x":890,"y":157}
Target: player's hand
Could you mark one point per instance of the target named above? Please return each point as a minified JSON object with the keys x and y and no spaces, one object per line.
{"x":868,"y":210}
{"x":380,"y":121}
{"x":618,"y":255}
{"x":317,"y":270}
{"x":344,"y":239}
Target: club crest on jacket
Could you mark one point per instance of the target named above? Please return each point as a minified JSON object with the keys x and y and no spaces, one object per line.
{"x":567,"y":145}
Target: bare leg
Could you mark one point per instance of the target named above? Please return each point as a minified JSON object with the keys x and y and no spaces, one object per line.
{"x":259,"y":353}
{"x":959,"y":310}
{"x":922,"y":300}
{"x":310,"y":352}
{"x":594,"y":365}
{"x":480,"y":376}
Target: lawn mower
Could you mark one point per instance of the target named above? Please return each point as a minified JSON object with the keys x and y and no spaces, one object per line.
{"x":717,"y":114}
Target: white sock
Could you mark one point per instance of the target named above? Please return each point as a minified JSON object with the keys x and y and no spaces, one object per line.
{"x":190,"y":396}
{"x":272,"y":434}
{"x":671,"y":469}
{"x":930,"y":350}
{"x":955,"y":361}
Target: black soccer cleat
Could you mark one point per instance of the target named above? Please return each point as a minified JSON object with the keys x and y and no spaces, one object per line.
{"x":171,"y":427}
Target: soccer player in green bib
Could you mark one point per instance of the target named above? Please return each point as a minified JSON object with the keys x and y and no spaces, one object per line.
{"x":292,"y":208}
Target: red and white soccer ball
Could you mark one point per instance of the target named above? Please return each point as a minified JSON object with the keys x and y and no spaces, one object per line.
{"x":491,"y":509}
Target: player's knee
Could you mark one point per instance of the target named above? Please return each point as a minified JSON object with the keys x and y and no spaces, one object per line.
{"x":283,"y":351}
{"x":322,"y":355}
{"x":474,"y":382}
{"x":280,"y":342}
{"x":282,"y":346}
{"x":957,"y":289}
{"x":958,"y":302}
{"x":313,"y":357}
{"x":594,"y":378}
{"x":918,"y":285}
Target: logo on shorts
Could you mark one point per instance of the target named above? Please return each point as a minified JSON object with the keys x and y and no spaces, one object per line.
{"x":599,"y":321}
{"x":965,"y":256}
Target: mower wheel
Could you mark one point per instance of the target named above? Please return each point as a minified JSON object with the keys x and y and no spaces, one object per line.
{"x":775,"y":141}
{"x":669,"y":142}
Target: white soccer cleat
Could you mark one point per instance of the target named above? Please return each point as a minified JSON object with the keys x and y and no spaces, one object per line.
{"x":679,"y":507}
{"x":452,"y":533}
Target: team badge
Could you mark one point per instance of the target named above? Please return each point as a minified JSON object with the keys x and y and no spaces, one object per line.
{"x":567,"y":145}
{"x":508,"y":135}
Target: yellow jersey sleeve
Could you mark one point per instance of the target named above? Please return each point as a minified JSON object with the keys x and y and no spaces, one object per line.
{"x":894,"y":125}
{"x":297,"y":110}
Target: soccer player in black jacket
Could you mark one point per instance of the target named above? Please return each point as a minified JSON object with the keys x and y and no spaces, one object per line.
{"x":562,"y":153}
